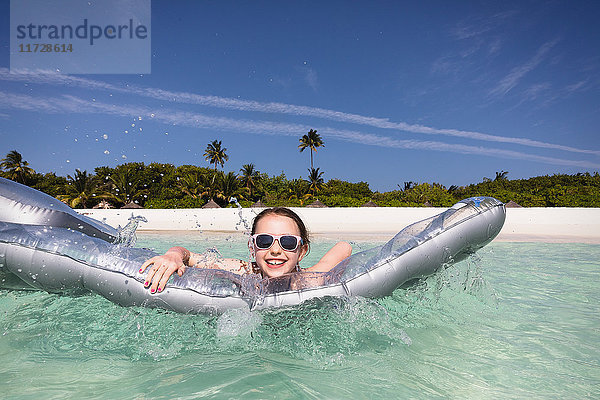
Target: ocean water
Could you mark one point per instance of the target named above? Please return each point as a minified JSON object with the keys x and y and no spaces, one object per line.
{"x":518,"y":320}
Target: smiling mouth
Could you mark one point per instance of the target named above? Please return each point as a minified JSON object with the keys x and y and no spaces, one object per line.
{"x":275,"y":263}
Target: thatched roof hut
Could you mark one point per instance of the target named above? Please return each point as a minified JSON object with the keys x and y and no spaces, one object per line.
{"x":103,"y":205}
{"x":512,"y":204}
{"x":258,"y":204}
{"x":132,"y":205}
{"x":316,"y":204}
{"x":211,"y":204}
{"x":370,"y":203}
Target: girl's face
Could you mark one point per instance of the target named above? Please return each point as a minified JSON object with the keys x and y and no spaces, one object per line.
{"x":275,"y":261}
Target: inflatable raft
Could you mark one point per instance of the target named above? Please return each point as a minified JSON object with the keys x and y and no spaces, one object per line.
{"x":45,"y":245}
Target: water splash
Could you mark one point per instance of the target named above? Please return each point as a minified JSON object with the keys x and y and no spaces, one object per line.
{"x":209,"y":257}
{"x":242,"y":220}
{"x":238,"y":323}
{"x":127,"y":235}
{"x":465,"y":277}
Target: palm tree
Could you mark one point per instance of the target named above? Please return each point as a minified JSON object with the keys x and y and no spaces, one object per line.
{"x":408,"y":186}
{"x":80,"y":188}
{"x":210,"y":181}
{"x":230,"y":186}
{"x":214,"y":154}
{"x":250,"y":177}
{"x":191,"y":185}
{"x":298,"y":190}
{"x":501,"y":176}
{"x":452,"y":189}
{"x":316,"y":180}
{"x":312,"y":140}
{"x":15,"y":167}
{"x":125,"y":184}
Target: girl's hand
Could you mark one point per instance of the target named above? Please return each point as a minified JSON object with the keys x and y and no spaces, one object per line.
{"x":162,"y":268}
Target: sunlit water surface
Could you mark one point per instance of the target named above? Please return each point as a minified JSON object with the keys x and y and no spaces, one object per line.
{"x":519,"y":321}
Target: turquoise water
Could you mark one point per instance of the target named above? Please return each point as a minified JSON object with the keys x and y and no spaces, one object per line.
{"x":520,"y":320}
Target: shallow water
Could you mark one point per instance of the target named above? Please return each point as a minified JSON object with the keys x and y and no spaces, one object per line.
{"x":518,"y":321}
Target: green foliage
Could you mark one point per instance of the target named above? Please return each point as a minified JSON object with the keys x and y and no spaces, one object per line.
{"x":250,"y":178}
{"x":337,"y":200}
{"x":348,"y":189}
{"x":215,"y":154}
{"x":315,"y":178}
{"x":312,"y":140}
{"x":579,"y":190}
{"x":435,"y":194}
{"x":15,"y":168}
{"x":81,"y":190}
{"x":186,"y":202}
{"x":48,"y":183}
{"x":188,"y":186}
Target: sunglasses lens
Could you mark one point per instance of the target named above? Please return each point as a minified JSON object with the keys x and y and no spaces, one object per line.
{"x":288,"y":243}
{"x":263,"y":241}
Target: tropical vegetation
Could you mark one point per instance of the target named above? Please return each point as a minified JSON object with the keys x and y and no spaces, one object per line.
{"x":15,"y":167}
{"x":312,"y":140}
{"x":158,"y":185}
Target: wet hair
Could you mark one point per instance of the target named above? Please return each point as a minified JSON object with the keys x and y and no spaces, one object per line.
{"x":284,"y":212}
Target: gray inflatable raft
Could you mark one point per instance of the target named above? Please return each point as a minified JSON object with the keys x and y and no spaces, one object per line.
{"x":45,"y":245}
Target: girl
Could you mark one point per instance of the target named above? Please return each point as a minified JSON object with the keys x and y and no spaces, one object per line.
{"x":278,"y":243}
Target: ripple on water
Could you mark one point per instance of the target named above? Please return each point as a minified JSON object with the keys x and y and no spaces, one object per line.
{"x":519,"y":322}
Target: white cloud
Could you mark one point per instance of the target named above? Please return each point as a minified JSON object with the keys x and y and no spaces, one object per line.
{"x":74,"y":104}
{"x":311,"y":78}
{"x":577,"y":87}
{"x":517,"y":73}
{"x":281,"y":108}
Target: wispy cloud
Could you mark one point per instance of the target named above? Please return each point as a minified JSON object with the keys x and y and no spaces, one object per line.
{"x":45,"y":77}
{"x":73,"y":104}
{"x":474,"y":27}
{"x":517,"y":73}
{"x":310,"y":77}
{"x":577,"y":87}
{"x":537,"y":90}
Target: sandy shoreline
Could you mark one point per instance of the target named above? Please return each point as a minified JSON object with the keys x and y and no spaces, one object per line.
{"x":577,"y":225}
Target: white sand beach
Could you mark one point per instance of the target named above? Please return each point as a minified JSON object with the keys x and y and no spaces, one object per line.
{"x":578,"y":225}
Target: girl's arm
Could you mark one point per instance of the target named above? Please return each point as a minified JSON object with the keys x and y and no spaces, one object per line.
{"x":177,"y":259}
{"x":340,"y":251}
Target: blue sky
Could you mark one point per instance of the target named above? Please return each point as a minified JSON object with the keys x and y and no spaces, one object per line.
{"x":435,"y":91}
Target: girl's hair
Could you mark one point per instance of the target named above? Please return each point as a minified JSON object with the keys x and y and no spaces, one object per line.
{"x":284,"y":212}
